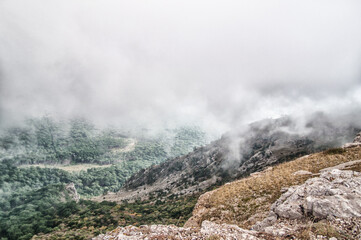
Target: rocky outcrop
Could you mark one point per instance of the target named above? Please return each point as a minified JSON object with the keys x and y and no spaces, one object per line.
{"x":72,"y":192}
{"x":336,"y":194}
{"x":208,"y":230}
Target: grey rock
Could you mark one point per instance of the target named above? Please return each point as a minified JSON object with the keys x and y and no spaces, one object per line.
{"x":208,"y":230}
{"x":277,"y":231}
{"x":335,"y":194}
{"x":70,"y":188}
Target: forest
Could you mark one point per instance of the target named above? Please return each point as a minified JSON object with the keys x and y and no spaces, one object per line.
{"x":32,"y":197}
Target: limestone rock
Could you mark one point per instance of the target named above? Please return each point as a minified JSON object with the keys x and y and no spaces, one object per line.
{"x":226,"y":231}
{"x":207,"y":231}
{"x":335,"y":194}
{"x":70,"y":188}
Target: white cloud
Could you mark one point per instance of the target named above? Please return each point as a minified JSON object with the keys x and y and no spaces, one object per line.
{"x":220,"y":63}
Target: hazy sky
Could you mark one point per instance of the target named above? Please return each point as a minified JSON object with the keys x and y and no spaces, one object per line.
{"x":218,"y":63}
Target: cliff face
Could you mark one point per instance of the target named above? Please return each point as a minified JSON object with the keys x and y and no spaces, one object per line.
{"x":233,"y":156}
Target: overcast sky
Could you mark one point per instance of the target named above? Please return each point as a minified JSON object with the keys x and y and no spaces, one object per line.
{"x":218,"y":63}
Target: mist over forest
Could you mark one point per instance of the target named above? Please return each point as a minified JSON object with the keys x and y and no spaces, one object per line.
{"x":101,"y":96}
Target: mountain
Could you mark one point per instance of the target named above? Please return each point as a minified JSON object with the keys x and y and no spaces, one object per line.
{"x":237,"y":154}
{"x":316,"y":196}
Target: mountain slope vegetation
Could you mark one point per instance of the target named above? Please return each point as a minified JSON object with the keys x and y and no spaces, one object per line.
{"x":55,"y":145}
{"x":235,"y":155}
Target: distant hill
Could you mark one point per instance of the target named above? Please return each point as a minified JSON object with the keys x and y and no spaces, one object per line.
{"x":77,"y":141}
{"x":235,"y":155}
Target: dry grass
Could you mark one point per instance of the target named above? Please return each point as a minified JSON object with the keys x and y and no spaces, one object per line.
{"x":246,"y":201}
{"x":322,"y":228}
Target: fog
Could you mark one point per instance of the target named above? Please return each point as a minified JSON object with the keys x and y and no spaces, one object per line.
{"x":217,"y":64}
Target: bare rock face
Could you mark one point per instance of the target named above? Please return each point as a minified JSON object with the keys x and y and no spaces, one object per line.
{"x":70,"y":188}
{"x":208,"y":230}
{"x":226,"y":231}
{"x":335,"y":194}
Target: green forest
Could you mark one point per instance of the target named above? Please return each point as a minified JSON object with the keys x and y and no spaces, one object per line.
{"x":32,"y":199}
{"x":50,"y":213}
{"x":45,"y":140}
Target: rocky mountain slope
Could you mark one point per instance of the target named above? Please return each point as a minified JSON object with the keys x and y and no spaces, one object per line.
{"x":208,"y":231}
{"x":235,"y":155}
{"x":314,"y":197}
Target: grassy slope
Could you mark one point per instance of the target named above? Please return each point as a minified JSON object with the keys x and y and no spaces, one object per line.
{"x":248,"y":200}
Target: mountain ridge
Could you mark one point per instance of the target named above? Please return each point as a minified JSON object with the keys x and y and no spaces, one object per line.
{"x":262,"y":144}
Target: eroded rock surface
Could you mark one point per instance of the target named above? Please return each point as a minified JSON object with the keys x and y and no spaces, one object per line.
{"x":70,"y":188}
{"x":208,"y":230}
{"x":335,"y":194}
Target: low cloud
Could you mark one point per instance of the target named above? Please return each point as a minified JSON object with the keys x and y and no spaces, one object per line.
{"x":219,"y":64}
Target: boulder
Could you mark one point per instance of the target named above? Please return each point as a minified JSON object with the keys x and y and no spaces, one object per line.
{"x":335,"y":194}
{"x":70,"y":188}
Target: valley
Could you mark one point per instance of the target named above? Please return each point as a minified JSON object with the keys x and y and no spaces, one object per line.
{"x":180,"y":120}
{"x":96,"y":161}
{"x":146,"y":188}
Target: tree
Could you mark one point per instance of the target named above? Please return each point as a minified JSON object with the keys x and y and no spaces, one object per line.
{"x":49,"y":137}
{"x":83,"y":147}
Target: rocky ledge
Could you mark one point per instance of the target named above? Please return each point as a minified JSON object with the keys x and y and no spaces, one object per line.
{"x":334,"y":197}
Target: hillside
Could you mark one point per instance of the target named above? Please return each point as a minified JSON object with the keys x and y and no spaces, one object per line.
{"x":96,"y":160}
{"x":313,"y":197}
{"x":43,"y":152}
{"x":246,"y":201}
{"x":27,"y":214}
{"x":50,"y":141}
{"x":235,"y":155}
